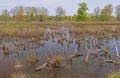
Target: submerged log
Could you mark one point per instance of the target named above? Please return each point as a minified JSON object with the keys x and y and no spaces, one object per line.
{"x":42,"y":66}
{"x":75,"y":55}
{"x":109,"y":61}
{"x":112,"y":61}
{"x":56,"y":61}
{"x":86,"y":60}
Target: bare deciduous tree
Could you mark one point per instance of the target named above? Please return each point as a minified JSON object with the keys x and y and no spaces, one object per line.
{"x":117,"y":12}
{"x":13,"y":12}
{"x":5,"y":15}
{"x":30,"y":13}
{"x":44,"y":11}
{"x":60,"y":11}
{"x":97,"y":12}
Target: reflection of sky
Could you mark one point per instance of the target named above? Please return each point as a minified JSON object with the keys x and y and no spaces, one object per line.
{"x":69,"y":5}
{"x":66,"y":31}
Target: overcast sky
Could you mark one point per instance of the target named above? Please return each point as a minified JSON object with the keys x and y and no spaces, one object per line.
{"x":70,"y":6}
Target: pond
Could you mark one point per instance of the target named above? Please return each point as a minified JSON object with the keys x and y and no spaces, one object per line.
{"x":22,"y":50}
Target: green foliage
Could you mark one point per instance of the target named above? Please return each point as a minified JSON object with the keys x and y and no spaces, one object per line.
{"x":113,"y":75}
{"x":15,"y":25}
{"x":40,"y":14}
{"x":82,"y":12}
{"x":106,"y":13}
{"x":107,"y":52}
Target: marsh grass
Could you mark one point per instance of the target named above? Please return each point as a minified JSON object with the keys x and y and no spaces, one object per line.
{"x":113,"y":75}
{"x":21,"y":74}
{"x":18,"y":75}
{"x":32,"y":58}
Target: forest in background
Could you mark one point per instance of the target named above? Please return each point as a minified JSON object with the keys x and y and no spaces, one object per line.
{"x":41,"y":14}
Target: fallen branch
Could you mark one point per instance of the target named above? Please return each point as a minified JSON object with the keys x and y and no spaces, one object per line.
{"x":42,"y":66}
{"x":75,"y":55}
{"x":86,"y":60}
{"x":117,"y":53}
{"x":95,"y":53}
{"x":112,"y":61}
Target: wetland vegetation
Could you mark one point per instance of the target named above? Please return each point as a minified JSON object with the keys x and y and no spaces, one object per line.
{"x":88,"y":51}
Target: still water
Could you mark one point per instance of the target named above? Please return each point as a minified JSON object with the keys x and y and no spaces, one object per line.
{"x":14,"y":64}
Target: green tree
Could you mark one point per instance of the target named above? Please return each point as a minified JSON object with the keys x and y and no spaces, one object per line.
{"x":82,"y":14}
{"x":106,"y":13}
{"x":36,"y":14}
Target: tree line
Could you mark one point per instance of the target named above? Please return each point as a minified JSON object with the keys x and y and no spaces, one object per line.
{"x":40,"y":14}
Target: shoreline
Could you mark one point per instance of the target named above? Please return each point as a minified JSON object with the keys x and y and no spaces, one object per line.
{"x":62,"y":23}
